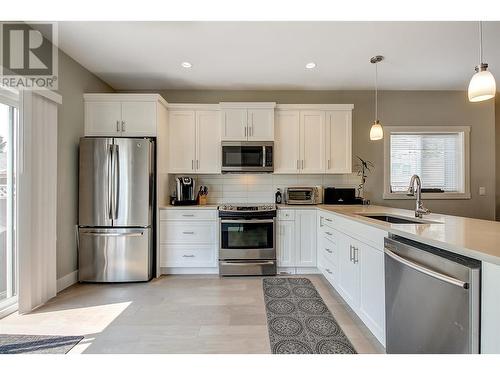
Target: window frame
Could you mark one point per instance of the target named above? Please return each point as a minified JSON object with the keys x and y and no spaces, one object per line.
{"x":388,"y":130}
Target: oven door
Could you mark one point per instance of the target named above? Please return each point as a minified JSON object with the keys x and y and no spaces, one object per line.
{"x":247,"y":157}
{"x":247,"y":239}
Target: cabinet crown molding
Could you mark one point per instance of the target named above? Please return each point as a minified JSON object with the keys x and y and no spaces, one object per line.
{"x":316,"y":107}
{"x":247,"y":104}
{"x":131,"y":97}
{"x":193,"y":106}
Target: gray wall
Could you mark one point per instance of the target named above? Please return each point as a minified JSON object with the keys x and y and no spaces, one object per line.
{"x":397,"y":108}
{"x":74,"y":80}
{"x":497,"y":153}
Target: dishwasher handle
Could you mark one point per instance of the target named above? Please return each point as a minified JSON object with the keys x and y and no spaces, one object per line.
{"x":426,"y":271}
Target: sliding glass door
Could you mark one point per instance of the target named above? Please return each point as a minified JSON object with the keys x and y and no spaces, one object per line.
{"x":8,"y":255}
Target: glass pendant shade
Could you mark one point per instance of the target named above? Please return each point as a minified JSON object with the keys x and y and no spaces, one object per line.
{"x":376,"y":131}
{"x":482,"y":86}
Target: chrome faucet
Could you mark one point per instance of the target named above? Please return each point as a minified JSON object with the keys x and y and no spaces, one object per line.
{"x":419,"y":209}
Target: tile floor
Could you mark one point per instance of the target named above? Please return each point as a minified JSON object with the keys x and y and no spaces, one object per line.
{"x":173,"y":314}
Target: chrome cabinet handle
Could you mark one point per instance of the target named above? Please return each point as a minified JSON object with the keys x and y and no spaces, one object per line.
{"x":189,"y":256}
{"x":328,"y":270}
{"x":192,"y":165}
{"x":246,"y":131}
{"x":328,"y":251}
{"x":329,"y":163}
{"x":355,"y":255}
{"x":187,"y":232}
{"x":197,"y":164}
{"x":123,"y":126}
{"x":303,"y":164}
{"x":328,"y":233}
{"x":350,"y":253}
{"x":330,"y":220}
{"x":188,"y":215}
{"x":298,"y":166}
{"x":117,"y":125}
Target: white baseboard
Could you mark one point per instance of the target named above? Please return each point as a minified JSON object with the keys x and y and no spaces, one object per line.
{"x":66,"y":281}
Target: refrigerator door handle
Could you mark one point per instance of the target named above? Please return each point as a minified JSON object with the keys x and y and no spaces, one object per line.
{"x":110,"y":185}
{"x":116,"y":182}
{"x":111,"y":234}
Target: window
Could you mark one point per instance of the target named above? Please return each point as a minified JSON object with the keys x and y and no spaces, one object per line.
{"x":439,"y":155}
{"x":8,"y":254}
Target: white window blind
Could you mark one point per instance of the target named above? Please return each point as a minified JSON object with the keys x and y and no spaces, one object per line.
{"x":436,"y":157}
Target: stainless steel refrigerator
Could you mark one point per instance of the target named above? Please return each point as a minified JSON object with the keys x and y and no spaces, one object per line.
{"x":116,"y":200}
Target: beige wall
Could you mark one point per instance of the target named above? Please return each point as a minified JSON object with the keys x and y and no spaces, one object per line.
{"x":74,"y":80}
{"x":397,"y":108}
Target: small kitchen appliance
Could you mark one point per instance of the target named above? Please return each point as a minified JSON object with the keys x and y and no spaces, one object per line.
{"x":247,"y":157}
{"x":185,"y":193}
{"x":334,"y":195}
{"x":304,"y":195}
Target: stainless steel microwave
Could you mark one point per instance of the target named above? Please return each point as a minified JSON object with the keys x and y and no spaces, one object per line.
{"x":247,"y":156}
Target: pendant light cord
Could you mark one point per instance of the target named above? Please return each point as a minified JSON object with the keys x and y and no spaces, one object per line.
{"x":480,"y":42}
{"x":376,"y":92}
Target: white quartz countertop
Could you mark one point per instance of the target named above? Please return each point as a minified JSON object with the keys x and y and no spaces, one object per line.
{"x":475,"y":238}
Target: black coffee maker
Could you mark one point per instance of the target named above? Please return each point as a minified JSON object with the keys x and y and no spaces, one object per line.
{"x":185,"y":193}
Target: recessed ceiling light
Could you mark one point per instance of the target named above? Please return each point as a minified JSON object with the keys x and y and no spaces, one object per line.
{"x":186,"y":65}
{"x":310,"y":65}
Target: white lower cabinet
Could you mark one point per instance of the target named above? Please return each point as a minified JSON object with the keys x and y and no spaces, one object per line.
{"x":296,"y":238}
{"x":354,"y":268}
{"x":188,"y":238}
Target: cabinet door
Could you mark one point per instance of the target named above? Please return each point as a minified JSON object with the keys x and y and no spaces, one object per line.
{"x":102,"y":118}
{"x":234,"y":124}
{"x":208,"y":151}
{"x":139,"y":119}
{"x":349,"y":271}
{"x":182,"y":140}
{"x":305,"y":252}
{"x":339,"y":142}
{"x":312,"y":137}
{"x":287,"y":142}
{"x":372,"y":290}
{"x":261,"y":124}
{"x":286,"y":243}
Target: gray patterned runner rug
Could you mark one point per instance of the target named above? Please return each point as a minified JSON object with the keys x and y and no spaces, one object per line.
{"x":32,"y":344}
{"x":298,"y":320}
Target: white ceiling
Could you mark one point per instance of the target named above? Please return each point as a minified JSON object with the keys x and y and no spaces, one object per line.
{"x":272,"y":55}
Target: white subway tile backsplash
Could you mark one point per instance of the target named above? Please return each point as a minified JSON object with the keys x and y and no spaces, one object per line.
{"x":260,"y":188}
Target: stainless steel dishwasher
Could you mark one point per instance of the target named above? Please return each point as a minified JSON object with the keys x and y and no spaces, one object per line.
{"x":431,"y":298}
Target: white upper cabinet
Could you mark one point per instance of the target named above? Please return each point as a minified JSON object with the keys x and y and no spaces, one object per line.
{"x":287,"y":142}
{"x":182,"y":138}
{"x":247,"y":121}
{"x":234,"y":124}
{"x":312,"y":135}
{"x":194,"y":140}
{"x":139,"y":118}
{"x":122,"y":115}
{"x":339,"y":141}
{"x":103,"y":118}
{"x":313,"y":138}
{"x":208,"y":150}
{"x":260,"y":124}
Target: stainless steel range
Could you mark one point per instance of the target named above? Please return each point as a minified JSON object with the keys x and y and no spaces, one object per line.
{"x":247,"y":240}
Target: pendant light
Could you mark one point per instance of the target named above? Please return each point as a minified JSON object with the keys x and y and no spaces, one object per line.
{"x":482,"y":85}
{"x":376,"y":131}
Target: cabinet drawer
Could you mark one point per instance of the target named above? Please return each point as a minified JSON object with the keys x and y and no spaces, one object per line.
{"x":327,"y":232}
{"x":182,"y":232}
{"x":329,"y":250}
{"x":174,"y":214}
{"x":188,"y":256}
{"x":326,"y":220}
{"x":286,"y":214}
{"x":329,"y":270}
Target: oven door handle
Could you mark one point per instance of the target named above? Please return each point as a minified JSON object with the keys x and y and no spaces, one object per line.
{"x":265,"y":263}
{"x":239,"y":221}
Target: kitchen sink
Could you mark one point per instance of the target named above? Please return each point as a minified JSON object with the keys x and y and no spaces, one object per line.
{"x":397,"y":219}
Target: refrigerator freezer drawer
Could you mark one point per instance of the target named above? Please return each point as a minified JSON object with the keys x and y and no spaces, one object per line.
{"x":115,"y":254}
